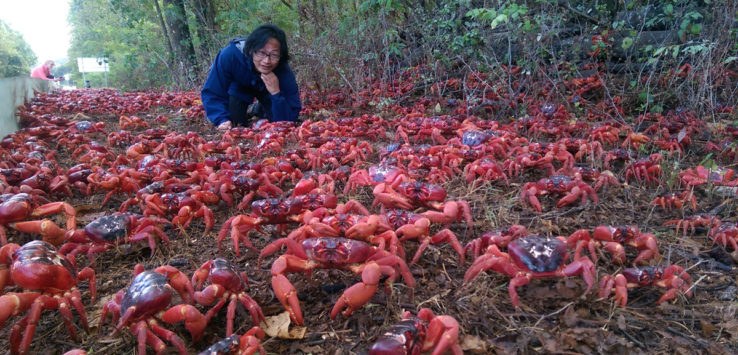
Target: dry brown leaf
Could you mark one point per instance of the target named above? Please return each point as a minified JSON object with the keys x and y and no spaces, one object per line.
{"x":473,"y":344}
{"x":570,"y":317}
{"x":279,"y":326}
{"x":707,"y":328}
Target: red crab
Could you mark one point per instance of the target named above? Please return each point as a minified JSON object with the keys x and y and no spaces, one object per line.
{"x":532,"y":257}
{"x":224,"y":283}
{"x":146,"y":302}
{"x":336,"y":253}
{"x":673,"y":278}
{"x":415,"y":193}
{"x":645,"y":169}
{"x":726,"y":233}
{"x":37,"y":266}
{"x":344,"y":218}
{"x":279,"y":211}
{"x":500,"y":237}
{"x":613,"y":240}
{"x":676,"y":200}
{"x":620,"y":155}
{"x":418,"y":334}
{"x":14,"y":208}
{"x":246,"y":186}
{"x":107,"y":231}
{"x":571,"y":188}
{"x":350,"y":220}
{"x":529,"y":160}
{"x":485,"y":169}
{"x":700,"y":176}
{"x":247,"y":344}
{"x":420,"y":230}
{"x":589,"y":175}
{"x":187,"y":206}
{"x":377,"y":174}
{"x":692,"y":222}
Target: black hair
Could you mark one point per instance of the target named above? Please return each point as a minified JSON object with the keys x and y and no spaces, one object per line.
{"x":258,"y":39}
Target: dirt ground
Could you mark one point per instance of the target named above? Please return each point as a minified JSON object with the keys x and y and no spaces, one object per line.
{"x":554,"y":316}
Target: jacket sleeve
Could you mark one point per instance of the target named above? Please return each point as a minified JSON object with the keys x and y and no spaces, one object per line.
{"x":214,"y":93}
{"x":286,"y":103}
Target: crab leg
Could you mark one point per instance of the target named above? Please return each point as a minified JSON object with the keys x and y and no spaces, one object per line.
{"x":252,"y":307}
{"x":16,"y":335}
{"x":15,"y":303}
{"x":41,"y":303}
{"x":360,"y":293}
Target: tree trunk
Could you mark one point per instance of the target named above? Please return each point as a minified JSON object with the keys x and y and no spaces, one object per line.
{"x":184,"y":51}
{"x":206,"y":29}
{"x":163,"y":26}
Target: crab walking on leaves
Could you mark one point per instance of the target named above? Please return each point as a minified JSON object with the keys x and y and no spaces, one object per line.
{"x":37,"y":266}
{"x":420,"y":230}
{"x":18,"y":207}
{"x":673,"y":278}
{"x":571,"y":188}
{"x":418,"y":334}
{"x":614,"y":240}
{"x":224,"y":284}
{"x":247,"y":344}
{"x":336,"y":253}
{"x":533,"y":257}
{"x":146,"y":301}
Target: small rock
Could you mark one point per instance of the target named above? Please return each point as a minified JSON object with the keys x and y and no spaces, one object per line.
{"x":179,"y":262}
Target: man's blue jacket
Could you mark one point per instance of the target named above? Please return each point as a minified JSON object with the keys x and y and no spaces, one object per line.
{"x":233,"y":74}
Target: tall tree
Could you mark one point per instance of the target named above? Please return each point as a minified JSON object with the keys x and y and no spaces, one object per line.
{"x":204,"y":13}
{"x":164,"y":29}
{"x":16,"y":56}
{"x":179,"y":29}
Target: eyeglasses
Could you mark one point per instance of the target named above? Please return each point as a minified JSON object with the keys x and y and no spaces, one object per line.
{"x":261,"y":55}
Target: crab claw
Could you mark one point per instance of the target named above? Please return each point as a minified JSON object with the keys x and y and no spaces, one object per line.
{"x":50,"y":232}
{"x":195,"y":322}
{"x":443,"y":333}
{"x":179,"y":282}
{"x":287,"y":295}
{"x":283,"y":288}
{"x":359,"y":294}
{"x":620,"y":284}
{"x":15,"y":303}
{"x":199,"y":277}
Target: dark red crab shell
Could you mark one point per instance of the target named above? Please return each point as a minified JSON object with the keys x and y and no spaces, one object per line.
{"x":224,"y":273}
{"x":109,"y":229}
{"x":149,"y":292}
{"x":422,"y":192}
{"x":336,"y":251}
{"x":383,"y":172}
{"x":37,"y":266}
{"x":401,"y":338}
{"x":643,"y":276}
{"x":277,"y":209}
{"x":537,"y":254}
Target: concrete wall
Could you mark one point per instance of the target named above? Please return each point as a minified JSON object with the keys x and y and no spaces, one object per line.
{"x":14,"y":92}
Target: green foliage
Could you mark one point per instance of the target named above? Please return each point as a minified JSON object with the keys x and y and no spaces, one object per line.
{"x":16,"y":56}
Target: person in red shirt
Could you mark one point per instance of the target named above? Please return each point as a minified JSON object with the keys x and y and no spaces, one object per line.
{"x":44,"y":71}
